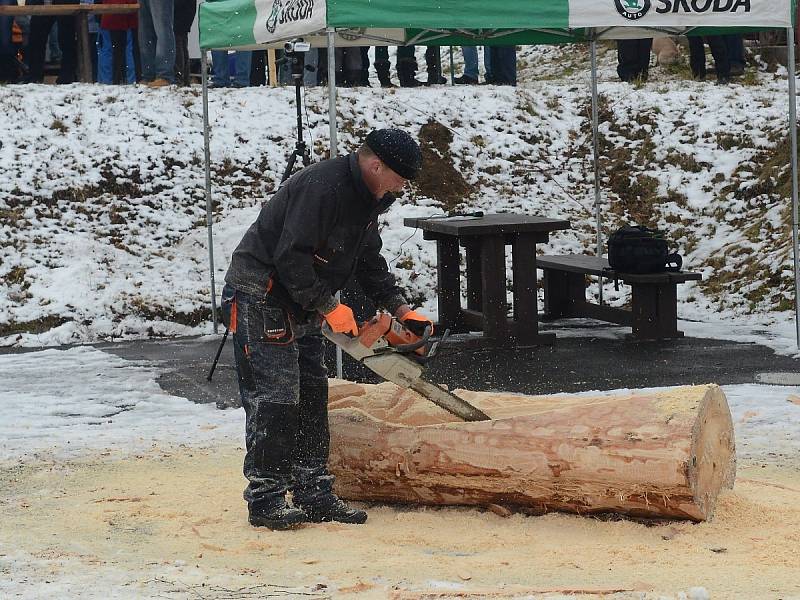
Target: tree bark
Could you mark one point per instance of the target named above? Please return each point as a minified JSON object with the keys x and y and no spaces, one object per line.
{"x":663,"y":454}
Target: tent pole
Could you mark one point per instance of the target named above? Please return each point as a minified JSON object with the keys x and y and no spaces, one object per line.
{"x":793,"y":142}
{"x":207,"y":157}
{"x":332,"y":125}
{"x":596,"y":161}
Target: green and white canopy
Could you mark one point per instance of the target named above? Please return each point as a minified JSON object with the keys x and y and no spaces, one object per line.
{"x":250,"y":23}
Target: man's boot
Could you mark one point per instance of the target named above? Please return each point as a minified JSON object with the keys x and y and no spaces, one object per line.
{"x":312,"y":491}
{"x":270,"y":437}
{"x":312,"y":487}
{"x":385,"y":80}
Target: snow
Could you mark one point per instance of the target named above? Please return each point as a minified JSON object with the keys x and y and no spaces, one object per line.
{"x":102,"y":209}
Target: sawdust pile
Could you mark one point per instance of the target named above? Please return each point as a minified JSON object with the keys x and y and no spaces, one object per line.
{"x":184,"y":513}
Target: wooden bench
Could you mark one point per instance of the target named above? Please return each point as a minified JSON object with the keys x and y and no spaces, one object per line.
{"x":653,"y":313}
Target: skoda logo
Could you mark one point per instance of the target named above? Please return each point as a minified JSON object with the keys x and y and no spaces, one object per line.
{"x":632,"y":9}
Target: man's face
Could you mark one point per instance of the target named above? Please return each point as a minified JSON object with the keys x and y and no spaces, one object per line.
{"x":380,"y":179}
{"x":391,"y":181}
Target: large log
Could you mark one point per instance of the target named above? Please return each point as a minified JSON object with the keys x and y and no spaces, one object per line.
{"x":664,"y":454}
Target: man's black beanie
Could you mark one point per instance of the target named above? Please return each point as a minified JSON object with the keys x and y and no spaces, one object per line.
{"x":397,"y":150}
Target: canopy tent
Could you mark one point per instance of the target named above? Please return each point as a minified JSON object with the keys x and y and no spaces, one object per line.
{"x":249,"y":24}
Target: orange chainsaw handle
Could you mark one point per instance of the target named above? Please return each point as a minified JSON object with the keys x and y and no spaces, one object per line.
{"x":413,"y":346}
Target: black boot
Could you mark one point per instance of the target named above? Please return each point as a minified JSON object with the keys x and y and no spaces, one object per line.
{"x":312,"y":486}
{"x":333,"y":508}
{"x":385,"y":80}
{"x":282,"y":517}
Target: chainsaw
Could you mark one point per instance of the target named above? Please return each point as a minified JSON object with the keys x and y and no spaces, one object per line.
{"x":388,"y":348}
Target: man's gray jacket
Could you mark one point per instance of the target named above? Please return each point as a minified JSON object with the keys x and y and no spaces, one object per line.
{"x":319,"y":229}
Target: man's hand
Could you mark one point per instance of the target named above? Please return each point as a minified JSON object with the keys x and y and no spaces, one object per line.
{"x":415,"y":321}
{"x":341,"y":320}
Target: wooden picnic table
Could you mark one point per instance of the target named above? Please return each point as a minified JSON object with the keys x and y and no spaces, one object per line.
{"x":81,"y":13}
{"x":485,"y":239}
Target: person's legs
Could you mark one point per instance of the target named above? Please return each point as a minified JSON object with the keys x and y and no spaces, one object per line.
{"x":719,"y":51}
{"x":147,"y":40}
{"x":644,"y":47}
{"x":433,"y":65}
{"x":243,"y":61}
{"x":312,"y":488}
{"x":407,"y":66}
{"x":364,"y":76}
{"x":470,"y":65}
{"x":697,"y":57}
{"x":163,"y":13}
{"x":119,"y":44}
{"x":382,"y":66}
{"x":735,"y":45}
{"x":487,"y":64}
{"x":105,"y":56}
{"x":182,"y":59}
{"x":37,"y":44}
{"x":269,"y":386}
{"x":504,"y":65}
{"x":220,"y":70}
{"x":69,"y":50}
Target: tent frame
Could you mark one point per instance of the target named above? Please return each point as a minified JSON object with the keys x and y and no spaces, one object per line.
{"x":592,"y":35}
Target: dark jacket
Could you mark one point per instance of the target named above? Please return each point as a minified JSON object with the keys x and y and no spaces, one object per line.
{"x":318,"y":230}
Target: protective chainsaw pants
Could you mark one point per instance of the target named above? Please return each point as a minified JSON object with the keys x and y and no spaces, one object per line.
{"x":283,"y":385}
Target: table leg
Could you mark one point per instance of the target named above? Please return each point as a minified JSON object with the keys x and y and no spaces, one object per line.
{"x":474,"y":280}
{"x":448,"y":283}
{"x":493,"y":285}
{"x":84,"y":56}
{"x":526,"y":312}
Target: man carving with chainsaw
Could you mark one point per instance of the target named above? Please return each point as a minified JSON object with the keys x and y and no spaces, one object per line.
{"x":317,"y":231}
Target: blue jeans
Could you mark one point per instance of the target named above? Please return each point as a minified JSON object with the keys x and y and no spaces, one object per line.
{"x":221,"y":70}
{"x":283,"y":384}
{"x":470,"y":61}
{"x":157,"y":39}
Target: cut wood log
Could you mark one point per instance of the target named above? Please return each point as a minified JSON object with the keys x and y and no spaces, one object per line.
{"x":664,"y":454}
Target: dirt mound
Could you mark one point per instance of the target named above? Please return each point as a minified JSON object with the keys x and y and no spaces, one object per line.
{"x":439,"y":179}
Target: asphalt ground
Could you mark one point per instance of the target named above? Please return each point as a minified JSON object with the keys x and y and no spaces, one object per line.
{"x":583,"y":358}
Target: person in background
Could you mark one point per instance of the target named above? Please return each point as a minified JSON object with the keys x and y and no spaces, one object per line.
{"x":37,"y":42}
{"x":157,"y":42}
{"x":734,"y":43}
{"x":633,"y":59}
{"x":9,"y":72}
{"x":317,"y":231}
{"x":697,"y":57}
{"x":470,"y":75}
{"x":185,"y":11}
{"x":383,"y":66}
{"x":407,"y":66}
{"x":118,"y":47}
{"x":221,"y":68}
{"x":504,"y":65}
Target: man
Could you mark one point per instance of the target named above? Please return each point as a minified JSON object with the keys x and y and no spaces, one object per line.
{"x":317,"y":231}
{"x":157,"y":42}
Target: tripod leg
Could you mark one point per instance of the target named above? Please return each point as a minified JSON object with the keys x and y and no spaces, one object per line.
{"x":289,"y":166}
{"x":219,"y":351}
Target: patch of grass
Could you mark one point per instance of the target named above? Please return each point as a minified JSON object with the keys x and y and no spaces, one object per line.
{"x":58,"y":125}
{"x":36,"y":326}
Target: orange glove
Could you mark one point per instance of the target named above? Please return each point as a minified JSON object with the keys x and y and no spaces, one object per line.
{"x":416,"y":322}
{"x":341,"y":320}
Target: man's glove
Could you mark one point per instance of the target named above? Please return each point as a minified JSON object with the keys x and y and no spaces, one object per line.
{"x":341,"y":320}
{"x":416,"y":323}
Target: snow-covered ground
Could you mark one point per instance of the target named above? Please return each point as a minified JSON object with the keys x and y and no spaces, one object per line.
{"x":102,"y":222}
{"x":61,"y":408}
{"x":102,"y":235}
{"x":89,"y":401}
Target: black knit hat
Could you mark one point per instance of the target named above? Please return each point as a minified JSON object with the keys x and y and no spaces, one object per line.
{"x":397,"y":150}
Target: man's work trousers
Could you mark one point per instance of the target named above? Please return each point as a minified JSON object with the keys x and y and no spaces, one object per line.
{"x":284,"y":390}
